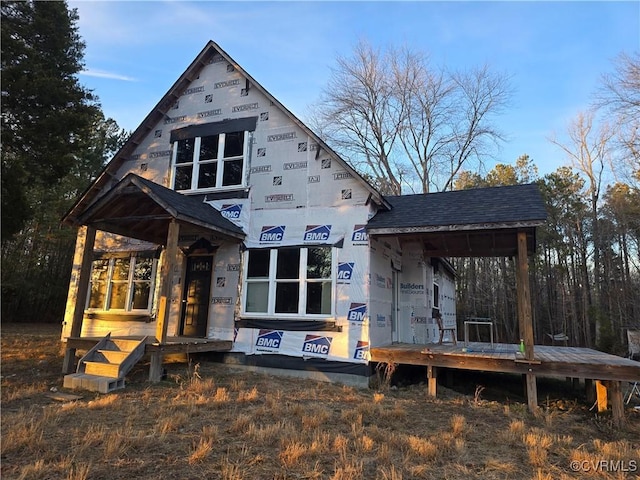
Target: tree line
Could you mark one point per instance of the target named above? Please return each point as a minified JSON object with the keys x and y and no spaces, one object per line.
{"x":55,"y":140}
{"x":408,"y":126}
{"x":414,"y":127}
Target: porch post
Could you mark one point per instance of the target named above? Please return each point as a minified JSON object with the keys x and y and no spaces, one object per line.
{"x":83,"y":256}
{"x":164,"y":304}
{"x":432,"y":380}
{"x":525,"y":320}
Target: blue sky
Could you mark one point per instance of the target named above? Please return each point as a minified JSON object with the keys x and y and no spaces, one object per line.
{"x":554,"y":52}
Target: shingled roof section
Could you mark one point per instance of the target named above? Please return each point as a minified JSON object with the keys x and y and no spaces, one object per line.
{"x":510,"y":205}
{"x":187,"y":206}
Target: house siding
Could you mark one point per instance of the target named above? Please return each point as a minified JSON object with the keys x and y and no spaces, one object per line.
{"x":291,"y":182}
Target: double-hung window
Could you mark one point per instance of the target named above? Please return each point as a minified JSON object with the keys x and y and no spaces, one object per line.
{"x":289,"y":281}
{"x":210,"y":162}
{"x":122,"y":284}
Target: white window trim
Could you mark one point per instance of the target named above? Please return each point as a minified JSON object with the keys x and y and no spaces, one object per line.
{"x":130,"y":283}
{"x":195,"y":165}
{"x":302,"y":281}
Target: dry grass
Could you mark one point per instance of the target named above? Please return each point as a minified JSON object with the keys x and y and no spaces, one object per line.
{"x":209,"y":421}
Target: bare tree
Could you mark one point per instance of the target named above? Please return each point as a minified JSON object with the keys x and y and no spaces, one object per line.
{"x":406,"y":124}
{"x":620,"y":95}
{"x":589,"y":151}
{"x":359,"y":117}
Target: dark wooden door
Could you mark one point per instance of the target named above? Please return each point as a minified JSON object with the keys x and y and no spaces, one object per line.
{"x":195,"y":299}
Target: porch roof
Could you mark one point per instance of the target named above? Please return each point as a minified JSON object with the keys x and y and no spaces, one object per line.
{"x":464,"y":223}
{"x":139,"y":208}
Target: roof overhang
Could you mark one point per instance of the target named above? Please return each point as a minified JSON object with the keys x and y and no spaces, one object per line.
{"x":138,"y":208}
{"x":495,"y":240}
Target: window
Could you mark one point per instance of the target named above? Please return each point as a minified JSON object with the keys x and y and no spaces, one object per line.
{"x":289,"y":281}
{"x":123,"y":283}
{"x":209,"y":162}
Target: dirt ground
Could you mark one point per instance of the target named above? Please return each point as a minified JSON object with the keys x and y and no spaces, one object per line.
{"x":208,"y":420}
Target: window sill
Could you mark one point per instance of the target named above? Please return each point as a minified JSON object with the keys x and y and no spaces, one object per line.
{"x":289,"y":325}
{"x":204,"y":191}
{"x":120,"y":317}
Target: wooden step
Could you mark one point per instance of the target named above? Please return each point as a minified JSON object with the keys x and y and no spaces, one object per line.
{"x":104,"y":369}
{"x":114,"y":356}
{"x":93,"y":383}
{"x":122,"y":344}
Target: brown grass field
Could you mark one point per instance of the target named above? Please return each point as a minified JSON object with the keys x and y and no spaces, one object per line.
{"x":209,"y":421}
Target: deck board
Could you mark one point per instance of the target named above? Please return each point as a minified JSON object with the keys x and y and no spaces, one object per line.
{"x":548,"y":360}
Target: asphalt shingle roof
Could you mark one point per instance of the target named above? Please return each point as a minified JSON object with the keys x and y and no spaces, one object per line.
{"x":492,"y":205}
{"x":188,"y":206}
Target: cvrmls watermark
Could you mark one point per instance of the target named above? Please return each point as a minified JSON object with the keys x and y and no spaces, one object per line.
{"x":604,"y":466}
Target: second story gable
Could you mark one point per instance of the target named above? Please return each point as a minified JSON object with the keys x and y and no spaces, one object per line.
{"x":219,"y":134}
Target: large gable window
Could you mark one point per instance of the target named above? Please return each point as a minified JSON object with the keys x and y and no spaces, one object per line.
{"x":122,"y":283}
{"x":289,"y":281}
{"x":210,"y":162}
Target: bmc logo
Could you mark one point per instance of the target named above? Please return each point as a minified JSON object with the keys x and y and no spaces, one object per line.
{"x":272,"y":234}
{"x":315,"y":233}
{"x":345,"y":271}
{"x":362,"y":351}
{"x":316,"y":344}
{"x":359,"y":234}
{"x":357,"y":312}
{"x":231,"y":211}
{"x":269,"y":338}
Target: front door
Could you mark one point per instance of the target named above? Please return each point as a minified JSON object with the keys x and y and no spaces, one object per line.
{"x":195,"y":299}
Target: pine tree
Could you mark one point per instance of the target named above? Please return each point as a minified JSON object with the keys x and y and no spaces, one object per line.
{"x":45,"y":111}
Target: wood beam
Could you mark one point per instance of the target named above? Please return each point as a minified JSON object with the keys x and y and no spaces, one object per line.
{"x":523,"y":291}
{"x":432,"y":378}
{"x":617,"y":402}
{"x":83,"y":257}
{"x":169,"y":261}
{"x":601,"y":396}
{"x":532,"y":392}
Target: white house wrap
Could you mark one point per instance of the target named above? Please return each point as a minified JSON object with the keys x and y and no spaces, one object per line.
{"x":282,"y":266}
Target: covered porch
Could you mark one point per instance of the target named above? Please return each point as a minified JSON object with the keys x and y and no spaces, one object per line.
{"x":490,"y":222}
{"x":140,"y":209}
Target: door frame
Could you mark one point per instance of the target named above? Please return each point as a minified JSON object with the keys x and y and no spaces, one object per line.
{"x":395,"y":305}
{"x":184,"y":293}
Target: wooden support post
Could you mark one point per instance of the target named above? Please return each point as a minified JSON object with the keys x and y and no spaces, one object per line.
{"x":617,"y":402}
{"x":155,"y":367}
{"x":575,"y":383}
{"x":590,"y":391}
{"x":532,"y":392}
{"x":84,"y":257}
{"x":169,"y":261}
{"x":601,"y":396}
{"x":525,"y":320}
{"x":523,"y":292}
{"x":431,"y":380}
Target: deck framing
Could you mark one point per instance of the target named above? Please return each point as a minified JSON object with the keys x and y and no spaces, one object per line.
{"x":608,"y":371}
{"x":548,"y":360}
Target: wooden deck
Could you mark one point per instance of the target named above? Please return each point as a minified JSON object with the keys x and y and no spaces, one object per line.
{"x":155,"y":350}
{"x":548,"y":360}
{"x":604,"y":374}
{"x":172,"y":345}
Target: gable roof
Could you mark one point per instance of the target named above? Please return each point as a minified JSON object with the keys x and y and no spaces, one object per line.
{"x":139,"y":208}
{"x":471,"y":209}
{"x":108,"y":177}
